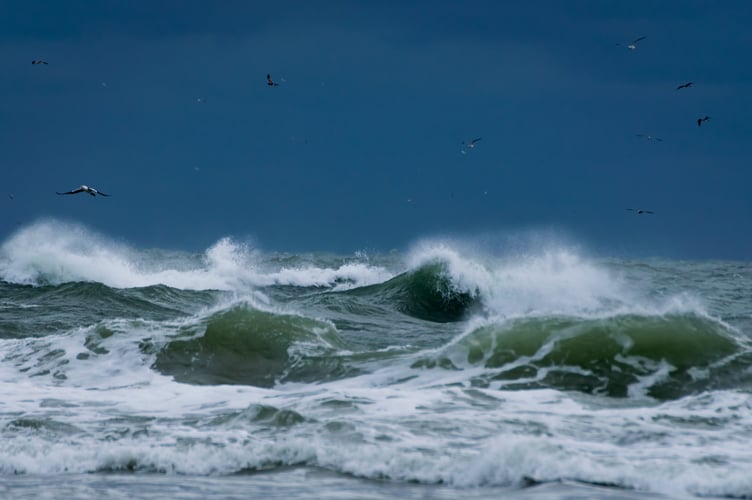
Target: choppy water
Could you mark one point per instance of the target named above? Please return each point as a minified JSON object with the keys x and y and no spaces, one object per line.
{"x":450,"y":370}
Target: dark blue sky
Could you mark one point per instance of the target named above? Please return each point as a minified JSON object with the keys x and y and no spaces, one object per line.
{"x":376,"y":100}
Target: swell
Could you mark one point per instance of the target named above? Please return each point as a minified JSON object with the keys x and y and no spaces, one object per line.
{"x":662,"y":357}
{"x":427,"y":292}
{"x":33,"y":311}
{"x":247,"y":346}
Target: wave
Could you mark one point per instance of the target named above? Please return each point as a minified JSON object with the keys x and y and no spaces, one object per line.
{"x":427,"y":293}
{"x":661,"y":357}
{"x":244,"y":345}
{"x":51,"y":252}
{"x":69,"y":305}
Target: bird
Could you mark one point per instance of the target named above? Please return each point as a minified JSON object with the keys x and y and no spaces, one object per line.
{"x":38,"y":61}
{"x":684,"y":86}
{"x":469,"y":144}
{"x":649,"y":137}
{"x":85,"y":189}
{"x":640,"y":211}
{"x":700,"y":120}
{"x":271,"y":82}
{"x":633,"y":44}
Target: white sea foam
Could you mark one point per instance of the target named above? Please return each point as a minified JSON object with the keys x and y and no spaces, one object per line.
{"x":52,"y":252}
{"x":407,"y":432}
{"x":552,"y":279}
{"x":402,"y":423}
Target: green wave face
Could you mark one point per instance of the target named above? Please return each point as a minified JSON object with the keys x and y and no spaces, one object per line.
{"x":660,"y":357}
{"x":426,"y":293}
{"x":251,"y":347}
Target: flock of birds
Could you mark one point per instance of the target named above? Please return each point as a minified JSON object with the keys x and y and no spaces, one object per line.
{"x":633,"y":46}
{"x":467,"y":146}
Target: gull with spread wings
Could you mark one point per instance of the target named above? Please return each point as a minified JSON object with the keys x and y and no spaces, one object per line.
{"x":633,"y":44}
{"x":469,"y":145}
{"x":85,"y":189}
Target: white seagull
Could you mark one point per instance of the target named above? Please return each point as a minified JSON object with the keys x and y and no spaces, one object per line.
{"x":85,"y":189}
{"x":649,"y":137}
{"x":633,"y":44}
{"x":469,"y":145}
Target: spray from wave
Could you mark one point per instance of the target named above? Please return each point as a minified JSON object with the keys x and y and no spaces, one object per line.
{"x":51,"y":253}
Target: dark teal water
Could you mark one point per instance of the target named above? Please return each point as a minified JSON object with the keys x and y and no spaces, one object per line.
{"x":450,"y":370}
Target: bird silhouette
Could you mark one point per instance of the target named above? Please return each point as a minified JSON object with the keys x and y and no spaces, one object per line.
{"x":640,"y":211}
{"x":469,"y":145}
{"x":684,"y":86}
{"x":85,"y":189}
{"x":633,"y":44}
{"x":271,"y":82}
{"x":648,"y":137}
{"x":700,"y":120}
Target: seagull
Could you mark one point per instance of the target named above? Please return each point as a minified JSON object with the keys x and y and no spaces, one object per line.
{"x":271,"y":82}
{"x":633,"y":44}
{"x":684,"y":86}
{"x":86,"y":189}
{"x":700,"y":120}
{"x":640,"y":211}
{"x":470,"y":144}
{"x":38,"y":61}
{"x":649,"y":137}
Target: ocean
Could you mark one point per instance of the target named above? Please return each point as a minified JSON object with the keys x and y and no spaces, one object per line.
{"x":455,"y":368}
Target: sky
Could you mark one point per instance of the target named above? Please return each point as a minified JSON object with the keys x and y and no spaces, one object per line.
{"x":164,"y":105}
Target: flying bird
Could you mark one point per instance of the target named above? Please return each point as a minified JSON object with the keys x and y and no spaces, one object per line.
{"x":649,"y":137}
{"x":85,"y":189}
{"x":38,"y":61}
{"x":639,"y":211}
{"x":700,"y":120}
{"x":633,"y":44}
{"x":271,"y":82}
{"x":684,"y":86}
{"x":469,"y":144}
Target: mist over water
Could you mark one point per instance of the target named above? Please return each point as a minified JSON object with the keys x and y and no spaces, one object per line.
{"x":453,"y":365}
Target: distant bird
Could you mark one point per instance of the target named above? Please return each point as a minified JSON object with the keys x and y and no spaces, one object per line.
{"x":85,"y":189}
{"x":469,"y":144}
{"x":38,"y":61}
{"x":271,"y":82}
{"x":684,"y":86}
{"x":649,"y":137}
{"x":700,"y":120}
{"x":639,"y":211}
{"x":633,"y":44}
{"x":10,"y":195}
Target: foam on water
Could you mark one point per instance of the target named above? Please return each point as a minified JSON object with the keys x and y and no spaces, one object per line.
{"x":88,"y":399}
{"x":396,"y":423}
{"x":421,"y":430}
{"x":52,"y":252}
{"x":550,"y":280}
